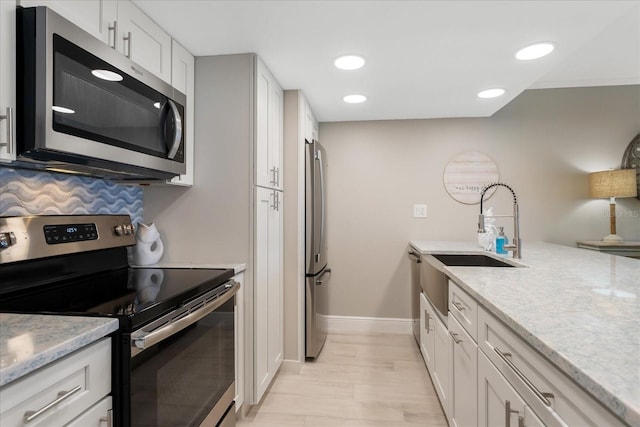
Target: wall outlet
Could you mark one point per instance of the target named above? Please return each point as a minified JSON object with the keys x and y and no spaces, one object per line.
{"x":419,"y":211}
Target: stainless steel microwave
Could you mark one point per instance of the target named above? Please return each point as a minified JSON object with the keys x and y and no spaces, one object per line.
{"x":85,"y":108}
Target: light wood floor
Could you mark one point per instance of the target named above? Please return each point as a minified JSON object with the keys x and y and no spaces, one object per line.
{"x":357,"y":381}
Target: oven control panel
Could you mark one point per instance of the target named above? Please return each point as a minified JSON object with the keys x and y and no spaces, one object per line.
{"x":67,"y":233}
{"x":40,"y":236}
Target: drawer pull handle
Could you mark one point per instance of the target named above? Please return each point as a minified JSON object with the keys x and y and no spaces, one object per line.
{"x":108,"y":419}
{"x":455,"y":338}
{"x":507,"y":414}
{"x":544,"y":397}
{"x":459,"y":306}
{"x":62,"y":395}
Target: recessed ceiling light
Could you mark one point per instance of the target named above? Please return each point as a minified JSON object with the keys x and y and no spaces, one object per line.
{"x":156,"y":104}
{"x":349,"y":62}
{"x":491,"y":93}
{"x":107,"y":75}
{"x":354,"y":99}
{"x":534,"y":51}
{"x":63,"y":110}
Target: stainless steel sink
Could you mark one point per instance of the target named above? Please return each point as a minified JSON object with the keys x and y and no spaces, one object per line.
{"x":470,"y":260}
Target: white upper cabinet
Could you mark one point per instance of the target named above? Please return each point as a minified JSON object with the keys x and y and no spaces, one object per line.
{"x":143,"y":41}
{"x":97,"y":17}
{"x":121,"y":25}
{"x":183,"y":79}
{"x":310,"y":124}
{"x":269,"y":129}
{"x":7,"y":80}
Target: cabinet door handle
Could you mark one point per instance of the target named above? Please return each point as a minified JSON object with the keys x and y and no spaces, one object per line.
{"x":544,"y":397}
{"x":459,"y":306}
{"x":521,"y":422}
{"x":416,"y":256}
{"x":9,"y":118}
{"x":507,"y":413}
{"x":113,"y":28}
{"x":63,"y":395}
{"x":277,"y":177}
{"x":127,"y":39}
{"x":455,"y":337}
{"x":426,"y":321}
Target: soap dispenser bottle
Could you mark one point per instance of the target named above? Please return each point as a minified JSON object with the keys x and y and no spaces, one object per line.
{"x":501,"y":241}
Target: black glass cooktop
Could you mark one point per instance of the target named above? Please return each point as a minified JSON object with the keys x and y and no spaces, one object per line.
{"x":134,"y":295}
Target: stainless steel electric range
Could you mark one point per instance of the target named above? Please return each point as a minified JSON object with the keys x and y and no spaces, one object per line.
{"x":173,"y":355}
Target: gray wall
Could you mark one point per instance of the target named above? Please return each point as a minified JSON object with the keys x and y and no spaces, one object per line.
{"x":545,"y":143}
{"x":210,"y":222}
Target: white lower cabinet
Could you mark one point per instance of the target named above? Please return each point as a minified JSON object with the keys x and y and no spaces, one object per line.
{"x":99,"y":415}
{"x":239,"y":340}
{"x":463,"y":395}
{"x":62,"y":391}
{"x":427,"y":331}
{"x":441,"y":362}
{"x":435,"y":346}
{"x":496,"y":397}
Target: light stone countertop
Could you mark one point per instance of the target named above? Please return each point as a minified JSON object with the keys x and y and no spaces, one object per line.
{"x":31,"y":341}
{"x":579,"y":308}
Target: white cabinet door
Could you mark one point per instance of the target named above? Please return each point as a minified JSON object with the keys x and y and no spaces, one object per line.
{"x":261,"y":284}
{"x":239,"y":340}
{"x":183,"y":79}
{"x":98,"y":415}
{"x":442,"y":358}
{"x":311,"y":125}
{"x":143,"y":41}
{"x":269,"y":125}
{"x":275,"y":290}
{"x":268,"y":320}
{"x":427,"y":332}
{"x":7,"y":80}
{"x":96,"y":17}
{"x":494,"y":395}
{"x":463,"y":395}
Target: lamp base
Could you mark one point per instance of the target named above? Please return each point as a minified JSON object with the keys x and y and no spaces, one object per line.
{"x":612,"y":238}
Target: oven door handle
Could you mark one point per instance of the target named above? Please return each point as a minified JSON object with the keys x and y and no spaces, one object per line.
{"x":148,"y":339}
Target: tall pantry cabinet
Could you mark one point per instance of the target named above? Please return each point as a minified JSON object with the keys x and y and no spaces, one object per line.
{"x":239,"y":119}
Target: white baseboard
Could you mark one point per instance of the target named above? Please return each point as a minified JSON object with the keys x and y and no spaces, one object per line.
{"x":354,"y":324}
{"x":291,"y":366}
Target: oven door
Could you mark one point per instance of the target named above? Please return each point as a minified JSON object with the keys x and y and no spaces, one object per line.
{"x":184,"y":374}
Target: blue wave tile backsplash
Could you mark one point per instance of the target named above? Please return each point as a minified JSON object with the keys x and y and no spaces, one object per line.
{"x":26,"y":192}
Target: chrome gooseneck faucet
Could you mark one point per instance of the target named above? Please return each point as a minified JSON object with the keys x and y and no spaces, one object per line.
{"x":516,"y":244}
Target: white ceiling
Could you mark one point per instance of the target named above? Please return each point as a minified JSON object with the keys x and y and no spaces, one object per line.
{"x":425,"y":59}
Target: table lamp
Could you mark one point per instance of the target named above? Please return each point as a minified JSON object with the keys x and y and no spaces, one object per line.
{"x":609,"y":185}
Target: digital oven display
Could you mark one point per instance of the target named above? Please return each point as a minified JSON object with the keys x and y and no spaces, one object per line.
{"x":67,"y":233}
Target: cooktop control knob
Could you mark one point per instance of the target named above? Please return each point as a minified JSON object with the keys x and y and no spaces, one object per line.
{"x":119,"y":230}
{"x":7,"y":239}
{"x":128,"y":229}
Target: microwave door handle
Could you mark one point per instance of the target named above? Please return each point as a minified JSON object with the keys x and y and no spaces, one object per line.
{"x":177,"y":136}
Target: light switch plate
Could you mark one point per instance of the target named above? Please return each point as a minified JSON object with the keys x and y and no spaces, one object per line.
{"x":419,"y":211}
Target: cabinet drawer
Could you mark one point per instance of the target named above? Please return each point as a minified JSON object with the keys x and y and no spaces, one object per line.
{"x":554,"y":398}
{"x":87,"y":371}
{"x":99,"y":415}
{"x":464,"y":308}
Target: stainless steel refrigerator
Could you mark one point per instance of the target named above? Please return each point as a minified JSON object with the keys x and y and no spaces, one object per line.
{"x":317,"y":272}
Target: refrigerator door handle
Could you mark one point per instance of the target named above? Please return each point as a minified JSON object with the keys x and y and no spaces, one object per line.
{"x":318,"y":157}
{"x":325,"y":276}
